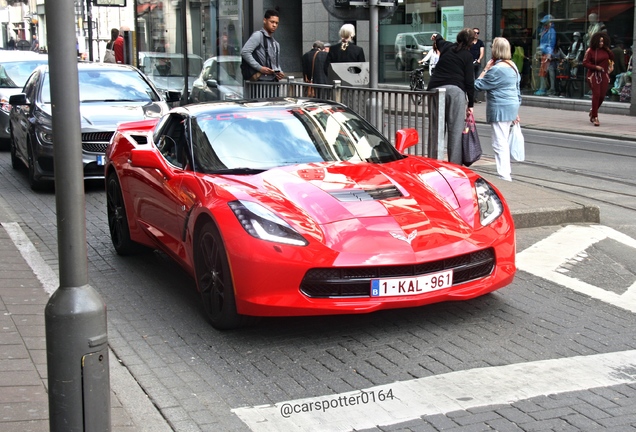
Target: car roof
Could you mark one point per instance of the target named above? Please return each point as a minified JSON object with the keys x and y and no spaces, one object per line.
{"x":96,"y":66}
{"x":11,"y":56}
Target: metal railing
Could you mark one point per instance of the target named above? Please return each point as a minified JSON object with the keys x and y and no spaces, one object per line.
{"x":387,"y":109}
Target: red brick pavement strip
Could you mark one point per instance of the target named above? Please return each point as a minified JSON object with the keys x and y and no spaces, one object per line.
{"x":23,"y":396}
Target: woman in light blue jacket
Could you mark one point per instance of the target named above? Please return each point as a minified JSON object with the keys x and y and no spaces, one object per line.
{"x":500,"y":80}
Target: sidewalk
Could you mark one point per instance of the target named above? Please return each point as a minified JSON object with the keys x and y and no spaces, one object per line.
{"x":23,"y":373}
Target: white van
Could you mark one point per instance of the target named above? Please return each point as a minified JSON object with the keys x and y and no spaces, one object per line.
{"x":411,"y":48}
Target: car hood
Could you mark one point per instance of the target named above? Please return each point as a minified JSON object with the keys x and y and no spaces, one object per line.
{"x":106,"y":116}
{"x":347,"y":201}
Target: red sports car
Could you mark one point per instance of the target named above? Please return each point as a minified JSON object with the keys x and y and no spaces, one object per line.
{"x":300,"y":207}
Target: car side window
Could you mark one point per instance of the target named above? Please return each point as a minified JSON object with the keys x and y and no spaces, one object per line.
{"x":173,"y":142}
{"x":30,"y":87}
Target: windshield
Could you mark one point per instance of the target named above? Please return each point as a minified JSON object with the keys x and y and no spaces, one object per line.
{"x":15,"y":74}
{"x":270,"y":137}
{"x":170,"y":66}
{"x":225,"y":72}
{"x":109,"y":85}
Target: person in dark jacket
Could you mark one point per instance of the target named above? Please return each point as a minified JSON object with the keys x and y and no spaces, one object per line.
{"x":313,"y":64}
{"x":455,"y":73}
{"x":345,"y":51}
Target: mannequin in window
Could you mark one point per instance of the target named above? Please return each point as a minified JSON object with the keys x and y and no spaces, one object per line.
{"x":575,"y":53}
{"x":593,"y":26}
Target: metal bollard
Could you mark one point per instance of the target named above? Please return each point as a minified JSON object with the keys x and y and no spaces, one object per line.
{"x":77,"y":358}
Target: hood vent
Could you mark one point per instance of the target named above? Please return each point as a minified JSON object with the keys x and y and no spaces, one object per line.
{"x":367,"y":195}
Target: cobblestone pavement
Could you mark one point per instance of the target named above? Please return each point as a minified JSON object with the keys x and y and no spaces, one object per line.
{"x":195,"y":376}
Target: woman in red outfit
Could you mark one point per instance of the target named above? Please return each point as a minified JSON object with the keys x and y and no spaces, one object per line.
{"x":597,"y":61}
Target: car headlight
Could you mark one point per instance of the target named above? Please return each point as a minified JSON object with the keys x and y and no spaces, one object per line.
{"x":261,"y":223}
{"x":489,"y":203}
{"x":45,"y":137}
{"x":4,"y":105}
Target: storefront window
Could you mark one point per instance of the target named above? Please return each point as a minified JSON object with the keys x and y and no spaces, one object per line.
{"x":210,"y":33}
{"x":525,"y":22}
{"x":405,"y":36}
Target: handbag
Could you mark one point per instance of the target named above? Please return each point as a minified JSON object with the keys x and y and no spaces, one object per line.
{"x":471,"y":147}
{"x":109,"y":56}
{"x":517,"y":143}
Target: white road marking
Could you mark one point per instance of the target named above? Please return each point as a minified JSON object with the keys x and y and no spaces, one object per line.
{"x":48,"y":278}
{"x":132,"y":397}
{"x":441,"y":394}
{"x":544,"y":258}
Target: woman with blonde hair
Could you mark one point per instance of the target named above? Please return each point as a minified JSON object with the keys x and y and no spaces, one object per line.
{"x":500,"y":80}
{"x":345,"y":51}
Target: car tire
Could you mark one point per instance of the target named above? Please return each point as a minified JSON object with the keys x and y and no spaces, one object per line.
{"x":33,"y":182}
{"x":399,"y":65}
{"x":214,"y":280}
{"x":117,"y":219}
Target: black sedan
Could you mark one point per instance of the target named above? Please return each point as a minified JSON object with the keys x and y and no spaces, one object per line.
{"x":109,"y":94}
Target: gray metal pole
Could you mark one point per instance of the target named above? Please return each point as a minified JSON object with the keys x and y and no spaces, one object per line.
{"x":75,"y":316}
{"x":374,"y":43}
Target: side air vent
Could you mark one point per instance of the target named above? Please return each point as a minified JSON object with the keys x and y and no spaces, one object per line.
{"x":141,"y":139}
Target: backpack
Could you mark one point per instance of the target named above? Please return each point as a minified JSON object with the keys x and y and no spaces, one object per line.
{"x":248,"y":72}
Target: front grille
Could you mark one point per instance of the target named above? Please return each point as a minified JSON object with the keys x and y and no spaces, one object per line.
{"x":96,"y":142}
{"x":94,"y":147}
{"x":97,"y":136}
{"x":356,"y":281}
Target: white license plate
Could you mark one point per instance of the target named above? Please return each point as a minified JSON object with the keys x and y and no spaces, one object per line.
{"x":101,"y":160}
{"x":411,"y":285}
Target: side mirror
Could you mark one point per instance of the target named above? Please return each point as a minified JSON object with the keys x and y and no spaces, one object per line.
{"x":405,"y":138}
{"x":173,"y":96}
{"x":212,"y":83}
{"x":18,"y":99}
{"x":146,"y":158}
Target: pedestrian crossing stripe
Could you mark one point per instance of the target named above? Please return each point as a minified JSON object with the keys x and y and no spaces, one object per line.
{"x":441,"y":394}
{"x":544,"y":258}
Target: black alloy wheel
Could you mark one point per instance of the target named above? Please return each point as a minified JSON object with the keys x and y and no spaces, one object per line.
{"x":117,"y":220}
{"x":214,"y":280}
{"x":33,"y":182}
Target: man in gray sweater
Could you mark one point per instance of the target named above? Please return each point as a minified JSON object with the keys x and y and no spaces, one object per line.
{"x":262,"y":51}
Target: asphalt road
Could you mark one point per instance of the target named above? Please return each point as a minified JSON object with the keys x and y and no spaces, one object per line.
{"x":517,"y":359}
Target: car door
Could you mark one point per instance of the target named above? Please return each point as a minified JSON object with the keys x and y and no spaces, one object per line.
{"x":156,"y":197}
{"x":20,"y":115}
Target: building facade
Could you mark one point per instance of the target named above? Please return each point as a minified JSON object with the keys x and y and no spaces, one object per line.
{"x":214,"y":28}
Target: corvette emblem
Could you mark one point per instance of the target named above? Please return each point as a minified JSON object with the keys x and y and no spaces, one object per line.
{"x":408,"y":239}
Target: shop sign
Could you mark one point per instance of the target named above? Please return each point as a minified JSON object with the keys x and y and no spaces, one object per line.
{"x":228,"y":8}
